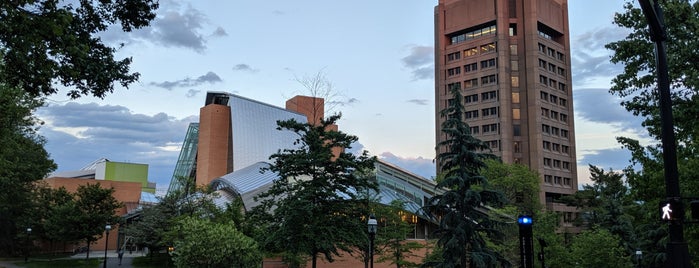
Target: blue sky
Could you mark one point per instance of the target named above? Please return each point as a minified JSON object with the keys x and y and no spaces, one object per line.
{"x":378,"y":55}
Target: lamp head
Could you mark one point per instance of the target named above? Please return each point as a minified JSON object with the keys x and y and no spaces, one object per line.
{"x":372,"y":224}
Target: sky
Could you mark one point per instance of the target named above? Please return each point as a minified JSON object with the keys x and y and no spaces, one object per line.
{"x":378,"y":55}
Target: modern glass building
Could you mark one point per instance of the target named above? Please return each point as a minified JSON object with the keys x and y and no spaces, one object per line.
{"x":231,"y":144}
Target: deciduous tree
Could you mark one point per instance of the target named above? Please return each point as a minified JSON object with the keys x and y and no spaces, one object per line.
{"x":46,"y":43}
{"x":23,"y":161}
{"x":310,"y":208}
{"x":97,"y":206}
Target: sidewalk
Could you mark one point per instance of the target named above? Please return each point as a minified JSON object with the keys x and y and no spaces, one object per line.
{"x":112,"y":259}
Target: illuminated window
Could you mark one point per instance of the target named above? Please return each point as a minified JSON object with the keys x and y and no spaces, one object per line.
{"x":514,"y":81}
{"x":471,"y":52}
{"x":487,"y":48}
{"x":515,"y":97}
{"x":515,"y":114}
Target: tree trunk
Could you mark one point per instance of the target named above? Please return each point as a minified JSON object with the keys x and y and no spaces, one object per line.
{"x":315,"y":258}
{"x":87,"y":256}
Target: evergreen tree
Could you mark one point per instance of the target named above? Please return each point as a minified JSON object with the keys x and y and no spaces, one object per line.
{"x":464,"y":221}
{"x":311,"y":209}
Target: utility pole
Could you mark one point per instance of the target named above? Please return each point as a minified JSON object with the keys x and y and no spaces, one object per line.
{"x":677,"y":249}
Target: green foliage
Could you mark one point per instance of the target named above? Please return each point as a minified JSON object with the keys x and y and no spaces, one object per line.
{"x":391,"y":244}
{"x":155,"y":226}
{"x":598,"y":248}
{"x":59,"y":214}
{"x":314,"y":207}
{"x":23,"y":161}
{"x":518,"y":183}
{"x":46,"y":43}
{"x":604,"y":204}
{"x":547,"y":228}
{"x":637,"y":86}
{"x":97,"y":206}
{"x":205,"y":243}
{"x":464,"y":221}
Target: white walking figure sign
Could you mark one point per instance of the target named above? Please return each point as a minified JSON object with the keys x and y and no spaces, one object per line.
{"x":666,"y":212}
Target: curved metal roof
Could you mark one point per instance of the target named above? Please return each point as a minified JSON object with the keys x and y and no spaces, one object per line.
{"x":248,"y":182}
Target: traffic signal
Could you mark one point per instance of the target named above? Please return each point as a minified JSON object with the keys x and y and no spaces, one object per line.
{"x":671,"y":210}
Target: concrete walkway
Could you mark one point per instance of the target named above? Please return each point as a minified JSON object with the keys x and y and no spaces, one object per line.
{"x":112,"y":259}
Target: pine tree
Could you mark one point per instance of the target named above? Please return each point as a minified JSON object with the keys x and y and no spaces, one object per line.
{"x":464,"y":221}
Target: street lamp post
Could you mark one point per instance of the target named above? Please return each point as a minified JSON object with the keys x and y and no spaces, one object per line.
{"x":26,"y":256}
{"x":639,"y":257}
{"x":372,"y":225}
{"x":106,"y":243}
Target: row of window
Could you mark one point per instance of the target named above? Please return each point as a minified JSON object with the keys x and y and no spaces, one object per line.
{"x":552,"y":83}
{"x":486,"y":129}
{"x":485,"y":96}
{"x":554,"y":131}
{"x":471,"y":67}
{"x":551,"y":52}
{"x":554,"y":115}
{"x":472,"y":51}
{"x":552,"y":68}
{"x":487,"y":112}
{"x":556,"y":163}
{"x":555,"y":147}
{"x":553,"y":99}
{"x":483,"y":31}
{"x":471,"y":83}
{"x":557,"y":180}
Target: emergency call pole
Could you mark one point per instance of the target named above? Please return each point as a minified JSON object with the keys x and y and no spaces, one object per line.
{"x":526,"y":242}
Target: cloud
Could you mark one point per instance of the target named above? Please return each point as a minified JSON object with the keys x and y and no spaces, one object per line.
{"x":347,"y":102}
{"x":590,"y":59}
{"x":220,"y":32}
{"x":420,"y":61}
{"x":174,"y":26}
{"x":244,"y":68}
{"x":598,"y":105}
{"x":420,"y":166}
{"x":180,"y":29}
{"x":192,"y":93}
{"x":80,"y":133}
{"x":615,"y":158}
{"x":418,"y":101}
{"x":209,"y":77}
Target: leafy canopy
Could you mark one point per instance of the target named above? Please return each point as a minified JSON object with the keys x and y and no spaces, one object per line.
{"x":312,"y":208}
{"x":46,"y":43}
